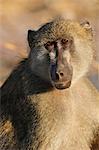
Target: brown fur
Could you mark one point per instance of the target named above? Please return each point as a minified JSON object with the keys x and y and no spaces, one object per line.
{"x":68,"y":121}
{"x":7,"y":134}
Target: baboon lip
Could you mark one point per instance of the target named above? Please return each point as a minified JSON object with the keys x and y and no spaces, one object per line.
{"x":62,"y":85}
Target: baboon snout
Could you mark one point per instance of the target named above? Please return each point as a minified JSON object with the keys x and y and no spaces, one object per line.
{"x":59,"y":75}
{"x":63,"y":78}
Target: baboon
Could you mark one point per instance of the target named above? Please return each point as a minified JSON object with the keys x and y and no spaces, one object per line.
{"x":47,"y":103}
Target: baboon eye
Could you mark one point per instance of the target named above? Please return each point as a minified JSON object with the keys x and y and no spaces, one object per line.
{"x":64,"y":41}
{"x":49,"y":45}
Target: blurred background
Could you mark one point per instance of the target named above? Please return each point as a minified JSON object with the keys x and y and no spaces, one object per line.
{"x":17,"y":16}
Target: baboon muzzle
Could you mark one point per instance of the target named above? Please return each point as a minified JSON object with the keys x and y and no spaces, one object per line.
{"x":60,"y":68}
{"x":61,"y":77}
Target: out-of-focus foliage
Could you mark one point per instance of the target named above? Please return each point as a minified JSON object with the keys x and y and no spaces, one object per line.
{"x":17,"y":16}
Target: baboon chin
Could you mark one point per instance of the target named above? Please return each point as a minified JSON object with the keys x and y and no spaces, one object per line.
{"x":37,"y":116}
{"x":62,"y":86}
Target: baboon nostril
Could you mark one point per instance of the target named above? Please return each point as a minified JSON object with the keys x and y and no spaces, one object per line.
{"x":57,"y":76}
{"x":61,"y":74}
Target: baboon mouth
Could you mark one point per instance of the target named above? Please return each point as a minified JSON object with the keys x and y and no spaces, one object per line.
{"x":62,"y":85}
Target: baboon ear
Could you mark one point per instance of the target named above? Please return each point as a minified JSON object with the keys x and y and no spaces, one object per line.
{"x":86,"y":25}
{"x":30,"y":36}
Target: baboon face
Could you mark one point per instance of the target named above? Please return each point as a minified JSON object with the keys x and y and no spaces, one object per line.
{"x":52,"y":62}
{"x":57,"y":52}
{"x":60,"y":67}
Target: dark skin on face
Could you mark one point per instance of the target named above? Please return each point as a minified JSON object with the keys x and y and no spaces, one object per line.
{"x":60,"y":69}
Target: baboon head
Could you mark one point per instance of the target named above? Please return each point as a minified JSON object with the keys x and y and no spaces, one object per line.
{"x":61,"y":51}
